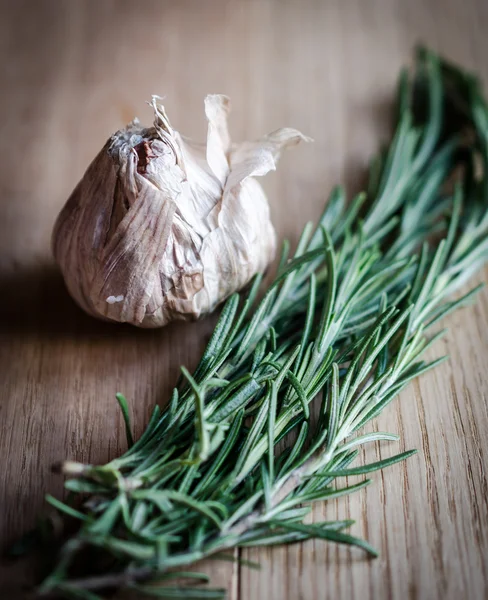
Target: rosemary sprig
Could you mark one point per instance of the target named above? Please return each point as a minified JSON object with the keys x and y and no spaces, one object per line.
{"x":236,"y":459}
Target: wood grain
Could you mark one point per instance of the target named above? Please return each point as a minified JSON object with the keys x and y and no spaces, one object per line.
{"x":73,"y":72}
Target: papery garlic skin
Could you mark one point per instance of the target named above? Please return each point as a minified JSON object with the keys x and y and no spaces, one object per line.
{"x":161,"y":228}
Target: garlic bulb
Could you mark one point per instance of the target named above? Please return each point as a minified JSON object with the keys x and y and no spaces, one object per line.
{"x":162,"y":228}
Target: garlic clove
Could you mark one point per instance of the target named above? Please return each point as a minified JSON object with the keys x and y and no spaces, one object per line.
{"x":161,"y":228}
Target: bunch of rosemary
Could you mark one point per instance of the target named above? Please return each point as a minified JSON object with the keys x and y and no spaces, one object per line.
{"x":235,"y":458}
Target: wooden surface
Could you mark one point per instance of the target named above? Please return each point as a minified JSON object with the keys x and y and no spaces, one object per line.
{"x":74,"y":71}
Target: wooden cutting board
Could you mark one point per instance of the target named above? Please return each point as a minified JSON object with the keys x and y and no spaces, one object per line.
{"x":73,"y":72}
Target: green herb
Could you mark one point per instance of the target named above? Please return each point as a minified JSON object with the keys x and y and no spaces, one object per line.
{"x":269,"y":422}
